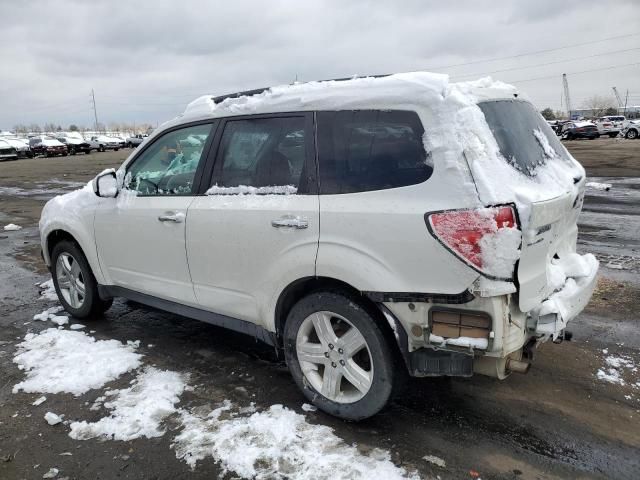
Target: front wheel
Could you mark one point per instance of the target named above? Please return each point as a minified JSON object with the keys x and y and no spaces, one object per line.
{"x":339,"y":356}
{"x":632,"y":134}
{"x":74,"y":282}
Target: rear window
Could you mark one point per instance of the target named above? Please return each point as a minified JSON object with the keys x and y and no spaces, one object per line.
{"x":525,"y":139}
{"x":365,"y":150}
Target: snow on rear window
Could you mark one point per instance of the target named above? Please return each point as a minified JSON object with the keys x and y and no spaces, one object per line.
{"x":525,"y":139}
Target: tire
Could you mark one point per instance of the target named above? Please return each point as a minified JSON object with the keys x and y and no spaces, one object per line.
{"x":613,"y":135}
{"x":632,"y":134}
{"x":101,"y":148}
{"x":375,"y":360}
{"x":72,"y":151}
{"x":116,"y":149}
{"x":67,"y":262}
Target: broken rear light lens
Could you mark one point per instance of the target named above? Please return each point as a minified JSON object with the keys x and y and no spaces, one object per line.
{"x":462,"y":231}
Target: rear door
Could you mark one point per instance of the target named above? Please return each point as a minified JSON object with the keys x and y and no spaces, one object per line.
{"x":548,"y":193}
{"x":256,"y":230}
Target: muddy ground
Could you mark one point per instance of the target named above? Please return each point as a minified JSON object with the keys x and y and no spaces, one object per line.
{"x":558,"y":421}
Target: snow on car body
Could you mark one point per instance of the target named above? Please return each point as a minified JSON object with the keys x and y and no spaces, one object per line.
{"x":428,"y":218}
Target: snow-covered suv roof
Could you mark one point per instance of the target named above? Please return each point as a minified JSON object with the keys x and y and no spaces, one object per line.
{"x":396,"y":90}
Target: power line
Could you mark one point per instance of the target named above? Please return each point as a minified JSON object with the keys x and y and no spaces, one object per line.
{"x":576,"y":73}
{"x":534,"y":52}
{"x":546,"y":63}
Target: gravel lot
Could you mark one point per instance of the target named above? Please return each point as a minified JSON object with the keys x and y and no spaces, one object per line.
{"x":558,"y":421}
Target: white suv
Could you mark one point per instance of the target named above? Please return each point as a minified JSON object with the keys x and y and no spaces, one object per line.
{"x":367,"y":227}
{"x":610,"y":125}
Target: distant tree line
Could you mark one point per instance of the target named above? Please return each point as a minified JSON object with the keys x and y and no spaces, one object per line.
{"x":598,"y":105}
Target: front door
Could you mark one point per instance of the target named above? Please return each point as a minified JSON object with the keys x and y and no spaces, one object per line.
{"x":140,"y":235}
{"x":257,"y":228}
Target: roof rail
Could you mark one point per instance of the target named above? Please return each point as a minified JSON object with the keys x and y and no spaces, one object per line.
{"x":258,"y":91}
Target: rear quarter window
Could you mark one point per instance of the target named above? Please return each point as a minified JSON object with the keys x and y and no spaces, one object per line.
{"x":365,"y":150}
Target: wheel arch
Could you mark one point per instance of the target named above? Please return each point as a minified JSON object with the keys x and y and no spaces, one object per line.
{"x":57,"y":235}
{"x":304,"y":286}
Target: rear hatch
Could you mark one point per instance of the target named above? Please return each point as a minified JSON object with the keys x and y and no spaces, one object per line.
{"x":544,"y":182}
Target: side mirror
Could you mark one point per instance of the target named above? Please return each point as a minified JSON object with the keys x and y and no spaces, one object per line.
{"x":105,"y":184}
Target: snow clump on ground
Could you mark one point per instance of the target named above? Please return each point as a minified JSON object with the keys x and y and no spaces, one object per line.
{"x":59,"y":361}
{"x":136,"y":411}
{"x":276,"y":443}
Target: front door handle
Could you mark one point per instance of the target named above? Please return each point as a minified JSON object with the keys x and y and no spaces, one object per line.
{"x":172,"y":217}
{"x":290,"y":222}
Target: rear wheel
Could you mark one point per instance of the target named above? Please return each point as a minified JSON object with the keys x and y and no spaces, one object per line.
{"x":74,"y":282}
{"x":72,"y":151}
{"x":613,"y":135}
{"x":338,"y":355}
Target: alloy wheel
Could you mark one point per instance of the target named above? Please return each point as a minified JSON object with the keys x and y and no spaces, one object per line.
{"x":70,"y":280}
{"x":334,"y":357}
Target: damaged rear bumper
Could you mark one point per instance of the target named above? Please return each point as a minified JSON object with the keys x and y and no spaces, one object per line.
{"x":551,"y":317}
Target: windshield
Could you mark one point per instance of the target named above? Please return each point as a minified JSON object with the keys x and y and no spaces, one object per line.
{"x":525,"y":139}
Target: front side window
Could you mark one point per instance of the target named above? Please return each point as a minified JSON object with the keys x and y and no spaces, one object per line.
{"x":365,"y":150}
{"x":168,"y":166}
{"x":263,"y":155}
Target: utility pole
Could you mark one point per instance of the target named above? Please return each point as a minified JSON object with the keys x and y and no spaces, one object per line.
{"x":95,"y":112}
{"x":567,"y":99}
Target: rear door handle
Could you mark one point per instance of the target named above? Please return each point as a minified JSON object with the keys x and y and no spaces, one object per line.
{"x":172,"y":217}
{"x":290,"y":222}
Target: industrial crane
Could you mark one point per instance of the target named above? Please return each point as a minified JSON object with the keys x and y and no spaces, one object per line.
{"x":567,"y":98}
{"x":615,"y":91}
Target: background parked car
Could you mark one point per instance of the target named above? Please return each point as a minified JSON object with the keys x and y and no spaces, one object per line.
{"x":102,"y":143}
{"x":22,"y":147}
{"x":75,"y":144}
{"x":574,"y":130}
{"x":121,"y":141}
{"x":47,"y":146}
{"x":631,"y":129}
{"x":7,"y":152}
{"x":610,"y":125}
{"x":135,"y":140}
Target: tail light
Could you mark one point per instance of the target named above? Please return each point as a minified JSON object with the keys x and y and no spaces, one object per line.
{"x":487,"y":239}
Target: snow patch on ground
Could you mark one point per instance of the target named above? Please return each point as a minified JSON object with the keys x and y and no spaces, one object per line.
{"x":137,"y":411}
{"x":599,"y":186}
{"x":48,"y":292}
{"x":12,"y":227}
{"x":277,"y":443}
{"x":437,"y":461}
{"x":59,"y":361}
{"x":52,"y":418}
{"x":47,"y":314}
{"x":617,"y":366}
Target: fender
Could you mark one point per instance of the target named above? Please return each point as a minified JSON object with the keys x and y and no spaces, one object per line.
{"x":73,"y":214}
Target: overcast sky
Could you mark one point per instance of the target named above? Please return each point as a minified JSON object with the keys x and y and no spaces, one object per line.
{"x":147,"y":59}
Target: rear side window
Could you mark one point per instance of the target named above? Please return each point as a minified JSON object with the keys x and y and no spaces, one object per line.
{"x":525,"y":139}
{"x":365,"y":150}
{"x":264,"y":153}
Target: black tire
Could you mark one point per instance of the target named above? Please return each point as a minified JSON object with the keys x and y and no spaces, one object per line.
{"x":116,"y":149}
{"x":129,"y":145}
{"x":72,"y":151}
{"x":381,"y":355}
{"x":92,"y":304}
{"x":632,"y":134}
{"x":101,"y":148}
{"x":613,"y":135}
